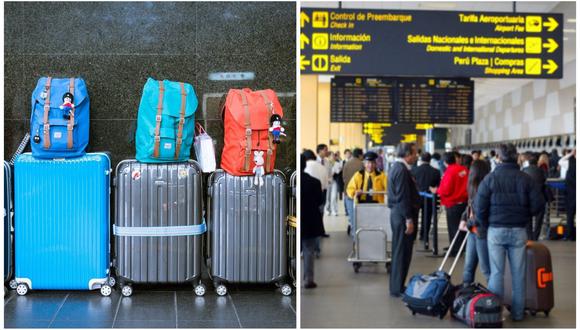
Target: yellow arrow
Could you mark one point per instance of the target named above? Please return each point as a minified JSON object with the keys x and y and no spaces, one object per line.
{"x":304,"y":40}
{"x":551,"y":66}
{"x":303,"y":19}
{"x":551,"y":24}
{"x":303,"y":62}
{"x":551,"y":45}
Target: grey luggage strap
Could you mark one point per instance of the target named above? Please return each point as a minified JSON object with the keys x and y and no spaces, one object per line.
{"x":163,"y":231}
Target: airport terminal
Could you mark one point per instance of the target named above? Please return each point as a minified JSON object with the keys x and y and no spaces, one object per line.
{"x":469,"y":96}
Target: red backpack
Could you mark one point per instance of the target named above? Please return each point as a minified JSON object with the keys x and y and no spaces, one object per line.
{"x":246,"y":117}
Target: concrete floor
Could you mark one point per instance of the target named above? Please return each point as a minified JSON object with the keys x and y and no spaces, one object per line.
{"x":158,"y":307}
{"x":344,"y":299}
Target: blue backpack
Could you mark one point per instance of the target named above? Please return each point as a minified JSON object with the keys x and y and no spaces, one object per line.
{"x":165,"y":123}
{"x":59,"y":124}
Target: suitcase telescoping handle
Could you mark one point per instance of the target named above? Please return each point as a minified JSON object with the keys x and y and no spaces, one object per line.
{"x":458,"y":253}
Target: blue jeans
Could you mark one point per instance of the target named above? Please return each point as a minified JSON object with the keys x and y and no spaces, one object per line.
{"x":510,"y":242}
{"x":349,"y":204}
{"x":476,"y":253}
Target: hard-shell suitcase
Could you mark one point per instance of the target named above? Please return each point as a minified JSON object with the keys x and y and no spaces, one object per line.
{"x":433,"y":294}
{"x":247,"y":231}
{"x":292,"y":226}
{"x":539,"y":280}
{"x":8,"y":241}
{"x":158,"y":224}
{"x":62,"y":223}
{"x":477,"y":307}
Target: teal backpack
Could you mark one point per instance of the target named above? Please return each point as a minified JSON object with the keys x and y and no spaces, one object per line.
{"x":166,"y":122}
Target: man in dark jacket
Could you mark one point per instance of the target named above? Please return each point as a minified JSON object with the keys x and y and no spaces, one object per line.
{"x":571,"y":198}
{"x":311,"y":227}
{"x":505,"y":203}
{"x":404,"y":202}
{"x":428,"y":179}
{"x":539,"y":177}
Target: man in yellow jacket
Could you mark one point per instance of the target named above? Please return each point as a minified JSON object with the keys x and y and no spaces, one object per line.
{"x":369,"y":179}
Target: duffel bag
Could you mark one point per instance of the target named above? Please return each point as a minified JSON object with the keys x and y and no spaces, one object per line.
{"x":59,"y":124}
{"x":165,"y":122}
{"x":477,"y":307}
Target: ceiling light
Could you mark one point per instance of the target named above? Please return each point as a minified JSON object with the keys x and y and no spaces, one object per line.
{"x":571,"y":20}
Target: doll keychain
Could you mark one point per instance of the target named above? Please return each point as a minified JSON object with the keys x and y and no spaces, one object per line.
{"x":276,"y":128}
{"x":67,"y":105}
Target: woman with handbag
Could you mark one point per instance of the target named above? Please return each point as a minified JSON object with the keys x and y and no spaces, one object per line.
{"x":476,"y":250}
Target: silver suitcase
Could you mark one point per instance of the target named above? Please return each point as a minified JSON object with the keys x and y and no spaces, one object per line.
{"x":158,"y":224}
{"x":292,"y":226}
{"x":247,"y":231}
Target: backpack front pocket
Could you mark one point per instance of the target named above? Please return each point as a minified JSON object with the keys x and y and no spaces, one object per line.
{"x":166,"y":143}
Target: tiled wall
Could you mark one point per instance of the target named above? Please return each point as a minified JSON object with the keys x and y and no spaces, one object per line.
{"x":540,"y":108}
{"x":115,"y":47}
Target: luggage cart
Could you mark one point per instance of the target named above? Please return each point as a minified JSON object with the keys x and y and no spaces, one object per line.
{"x":372,"y":228}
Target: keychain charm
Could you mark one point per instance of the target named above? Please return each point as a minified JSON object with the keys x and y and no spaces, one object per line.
{"x":276,"y":128}
{"x":67,"y":105}
{"x":258,"y":168}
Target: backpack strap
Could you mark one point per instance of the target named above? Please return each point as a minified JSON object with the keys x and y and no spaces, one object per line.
{"x":46,"y":128}
{"x":270,"y":151}
{"x":71,"y":119}
{"x":158,"y":120}
{"x":248,"y":126}
{"x":181,"y":120}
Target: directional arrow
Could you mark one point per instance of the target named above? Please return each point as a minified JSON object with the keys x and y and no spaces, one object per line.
{"x":303,"y":62}
{"x":551,"y":66}
{"x":551,"y":45}
{"x":303,"y":19}
{"x":551,"y":24}
{"x":305,"y":41}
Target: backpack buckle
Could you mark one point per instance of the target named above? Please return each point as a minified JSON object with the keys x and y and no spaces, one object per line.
{"x":158,"y":118}
{"x":157,"y":138}
{"x":69,"y":127}
{"x":248,"y":131}
{"x":182,"y":121}
{"x":46,"y":128}
{"x":270,"y":152}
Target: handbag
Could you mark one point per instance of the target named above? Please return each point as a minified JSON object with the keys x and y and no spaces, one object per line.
{"x":204,"y":149}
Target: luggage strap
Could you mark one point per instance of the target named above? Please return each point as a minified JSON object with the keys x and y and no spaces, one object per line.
{"x":181,"y":120}
{"x":46,"y":127}
{"x":71,"y":119}
{"x":163,"y":231}
{"x":269,"y":153}
{"x":247,"y":124}
{"x":158,"y":120}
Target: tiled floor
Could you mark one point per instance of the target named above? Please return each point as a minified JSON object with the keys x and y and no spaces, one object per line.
{"x":344,"y":299}
{"x":174,"y":307}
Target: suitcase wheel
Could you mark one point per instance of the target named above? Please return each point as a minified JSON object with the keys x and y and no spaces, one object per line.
{"x":356,"y":266}
{"x":13,"y":284}
{"x":413,"y":312}
{"x":221,"y":290}
{"x":106,"y":290}
{"x":199,"y":290}
{"x":547,"y":313}
{"x":286,"y":289}
{"x":112,"y":281}
{"x":22,"y":289}
{"x":127,"y":291}
{"x":533,"y":312}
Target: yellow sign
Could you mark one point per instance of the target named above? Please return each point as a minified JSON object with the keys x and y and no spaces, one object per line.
{"x":552,"y":45}
{"x":303,"y":62}
{"x":320,"y":62}
{"x":320,"y":41}
{"x":409,"y":138}
{"x":533,"y":45}
{"x":424,"y":126}
{"x":320,"y":19}
{"x":533,"y":23}
{"x":551,"y":66}
{"x":304,"y":19}
{"x":551,"y":24}
{"x":303,"y":40}
{"x":533,"y":66}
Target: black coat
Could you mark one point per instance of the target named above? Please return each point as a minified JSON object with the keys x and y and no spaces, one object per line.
{"x":571,"y":182}
{"x":426,"y":176}
{"x":402,"y":190}
{"x":507,"y":197}
{"x":310,"y":201}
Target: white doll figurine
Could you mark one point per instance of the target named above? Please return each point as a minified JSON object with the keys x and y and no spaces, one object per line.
{"x":276,"y":128}
{"x":258,"y":168}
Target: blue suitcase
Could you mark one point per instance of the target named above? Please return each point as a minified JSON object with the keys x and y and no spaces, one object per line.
{"x":62,"y":223}
{"x":8,"y":269}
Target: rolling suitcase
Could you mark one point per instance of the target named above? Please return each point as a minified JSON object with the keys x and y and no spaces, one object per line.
{"x":62,"y":223}
{"x":8,"y":241}
{"x":158,"y":224}
{"x":477,"y":307}
{"x":247,"y":231}
{"x":433,"y":294}
{"x":539,"y":280}
{"x":292,"y":226}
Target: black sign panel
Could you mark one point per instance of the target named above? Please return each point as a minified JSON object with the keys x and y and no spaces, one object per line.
{"x":431,"y":43}
{"x":401,"y":100}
